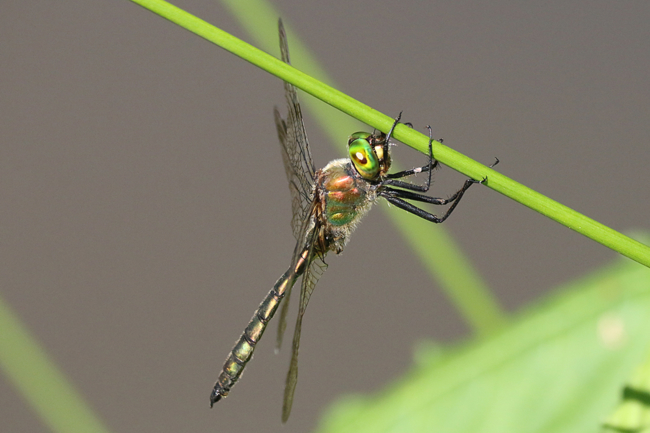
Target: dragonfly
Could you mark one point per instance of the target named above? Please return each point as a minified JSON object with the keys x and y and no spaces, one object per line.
{"x":327,"y":205}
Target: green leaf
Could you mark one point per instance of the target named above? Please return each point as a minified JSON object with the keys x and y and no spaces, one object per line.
{"x":632,"y":415}
{"x":556,"y":369}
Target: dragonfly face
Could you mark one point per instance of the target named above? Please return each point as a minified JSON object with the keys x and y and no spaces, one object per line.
{"x":369,"y":154}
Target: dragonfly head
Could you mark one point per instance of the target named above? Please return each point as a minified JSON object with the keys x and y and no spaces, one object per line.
{"x":369,"y":154}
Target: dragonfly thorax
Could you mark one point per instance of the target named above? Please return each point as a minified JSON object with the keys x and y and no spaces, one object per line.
{"x":345,"y":197}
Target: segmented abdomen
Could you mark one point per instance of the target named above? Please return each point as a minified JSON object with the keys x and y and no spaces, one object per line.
{"x":243,"y":350}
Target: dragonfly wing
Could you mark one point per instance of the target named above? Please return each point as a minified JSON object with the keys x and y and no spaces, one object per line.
{"x":306,"y":237}
{"x":316,"y":268}
{"x":300,"y":183}
{"x":301,"y":174}
{"x":296,"y":155}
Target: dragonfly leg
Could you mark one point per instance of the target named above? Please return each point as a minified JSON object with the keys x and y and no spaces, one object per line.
{"x":397,"y":197}
{"x":432,"y":165}
{"x":392,"y":128}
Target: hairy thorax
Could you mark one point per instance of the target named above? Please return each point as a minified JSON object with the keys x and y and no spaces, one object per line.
{"x":344,"y":198}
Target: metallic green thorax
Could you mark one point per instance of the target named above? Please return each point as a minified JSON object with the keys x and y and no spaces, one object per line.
{"x":346,"y":193}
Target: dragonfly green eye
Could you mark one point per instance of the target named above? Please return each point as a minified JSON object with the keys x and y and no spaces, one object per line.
{"x":362,"y":155}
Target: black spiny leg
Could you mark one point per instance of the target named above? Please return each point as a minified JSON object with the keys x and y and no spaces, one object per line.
{"x":432,"y":165}
{"x":409,"y":191}
{"x":397,"y":197}
{"x":390,"y":133}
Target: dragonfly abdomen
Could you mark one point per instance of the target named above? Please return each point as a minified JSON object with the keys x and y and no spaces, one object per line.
{"x":242,"y":352}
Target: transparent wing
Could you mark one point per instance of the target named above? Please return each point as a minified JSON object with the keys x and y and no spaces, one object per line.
{"x":316,"y":268}
{"x":304,"y":245}
{"x":300,"y":182}
{"x":296,"y":155}
{"x":300,"y":171}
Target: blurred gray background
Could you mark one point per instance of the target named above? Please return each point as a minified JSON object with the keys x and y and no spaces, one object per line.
{"x":145,"y":211}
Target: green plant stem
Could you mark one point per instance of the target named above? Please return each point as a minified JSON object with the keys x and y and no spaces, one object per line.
{"x":498,"y":182}
{"x":40,"y":382}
